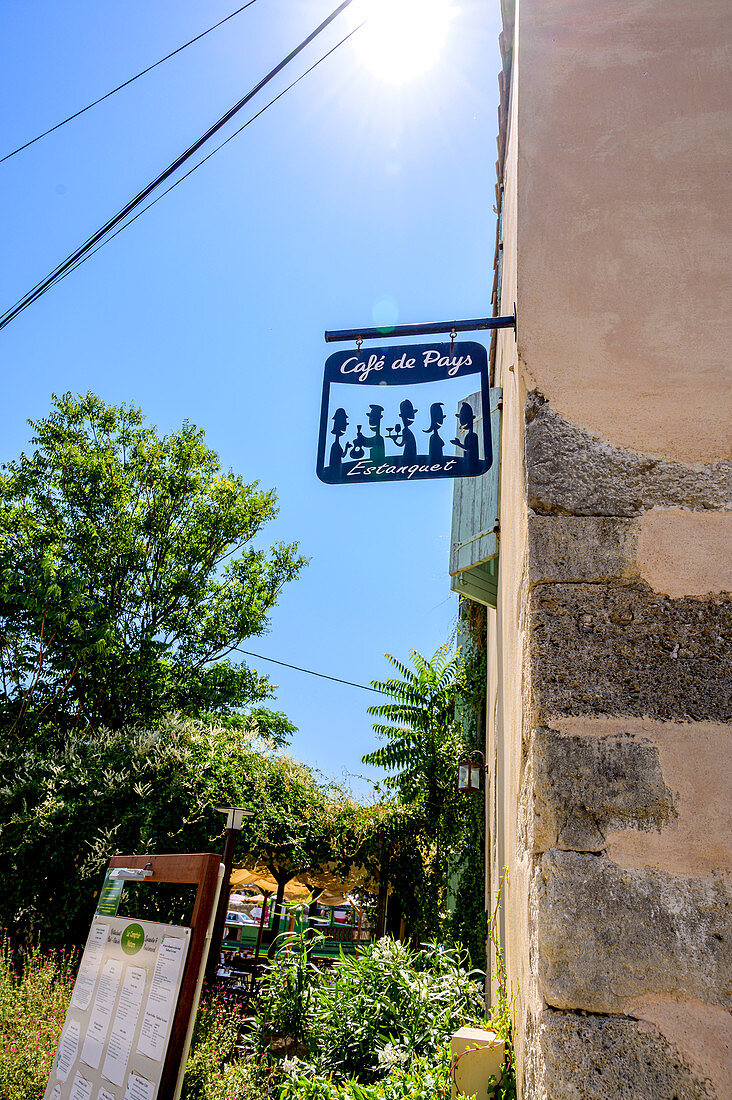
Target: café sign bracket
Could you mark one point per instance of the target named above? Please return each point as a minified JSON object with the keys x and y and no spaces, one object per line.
{"x":430,"y":328}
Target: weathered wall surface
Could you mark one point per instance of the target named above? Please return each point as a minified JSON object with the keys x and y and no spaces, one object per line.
{"x":610,"y":700}
{"x":625,"y":801}
{"x":596,"y":1057}
{"x":611,"y":743}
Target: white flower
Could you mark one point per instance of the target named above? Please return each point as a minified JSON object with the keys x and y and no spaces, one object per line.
{"x":390,"y":1056}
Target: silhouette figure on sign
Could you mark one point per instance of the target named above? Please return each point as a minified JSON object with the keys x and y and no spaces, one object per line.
{"x":466,"y":417}
{"x":437,"y":419}
{"x":338,"y":453}
{"x":404,"y":436}
{"x":375,"y":443}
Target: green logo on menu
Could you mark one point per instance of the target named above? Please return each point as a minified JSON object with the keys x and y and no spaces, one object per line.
{"x":133,"y":938}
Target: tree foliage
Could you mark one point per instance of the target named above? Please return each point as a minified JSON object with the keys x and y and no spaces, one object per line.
{"x":427,"y":726}
{"x":423,"y":737}
{"x":468,"y":920}
{"x":304,"y":822}
{"x":65,"y":811}
{"x":128,"y":573}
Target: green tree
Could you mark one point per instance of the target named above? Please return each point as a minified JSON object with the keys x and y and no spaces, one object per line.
{"x":66,"y":810}
{"x":306,"y":823}
{"x":424,"y":741}
{"x":303,"y":823}
{"x":424,"y":738}
{"x":128,"y":574}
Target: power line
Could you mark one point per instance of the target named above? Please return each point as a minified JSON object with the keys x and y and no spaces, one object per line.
{"x":322,"y":675}
{"x":127,"y":82}
{"x":70,"y":261}
{"x":208,"y":156}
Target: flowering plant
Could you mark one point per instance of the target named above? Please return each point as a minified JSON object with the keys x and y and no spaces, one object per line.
{"x":35,"y":990}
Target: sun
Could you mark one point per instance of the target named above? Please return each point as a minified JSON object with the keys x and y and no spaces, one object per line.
{"x":401,"y":39}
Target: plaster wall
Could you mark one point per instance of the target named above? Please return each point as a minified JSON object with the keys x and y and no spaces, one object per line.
{"x":610,"y":663}
{"x":682,"y":553}
{"x":624,"y":231}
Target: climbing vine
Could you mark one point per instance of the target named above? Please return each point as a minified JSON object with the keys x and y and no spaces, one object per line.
{"x":467,"y":922}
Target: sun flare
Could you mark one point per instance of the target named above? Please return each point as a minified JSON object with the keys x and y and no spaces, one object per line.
{"x":402,"y":39}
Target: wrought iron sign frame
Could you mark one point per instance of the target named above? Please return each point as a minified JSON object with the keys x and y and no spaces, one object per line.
{"x":416,"y":448}
{"x":364,"y":459}
{"x":428,"y":328}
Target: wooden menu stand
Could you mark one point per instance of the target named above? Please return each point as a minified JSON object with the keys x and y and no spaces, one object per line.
{"x":201,"y":869}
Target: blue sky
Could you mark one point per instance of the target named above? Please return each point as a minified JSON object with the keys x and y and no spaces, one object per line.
{"x":351,"y":201}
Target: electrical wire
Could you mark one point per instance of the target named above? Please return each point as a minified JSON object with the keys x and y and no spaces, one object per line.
{"x":71,"y":260}
{"x":322,"y":675}
{"x":208,"y":156}
{"x":127,"y":82}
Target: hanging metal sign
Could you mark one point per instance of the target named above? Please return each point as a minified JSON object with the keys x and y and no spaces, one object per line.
{"x":399,"y":414}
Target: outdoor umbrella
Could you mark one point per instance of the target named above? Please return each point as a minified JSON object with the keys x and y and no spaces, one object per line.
{"x":243,"y":878}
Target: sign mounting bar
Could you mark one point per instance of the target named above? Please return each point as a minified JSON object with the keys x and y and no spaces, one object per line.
{"x":334,"y":336}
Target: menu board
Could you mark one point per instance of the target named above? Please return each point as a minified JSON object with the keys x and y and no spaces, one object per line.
{"x":116,"y":1031}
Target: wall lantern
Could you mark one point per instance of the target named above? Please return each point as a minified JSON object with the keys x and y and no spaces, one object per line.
{"x":469,"y":772}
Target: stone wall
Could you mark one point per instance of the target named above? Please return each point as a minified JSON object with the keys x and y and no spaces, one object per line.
{"x":609,"y":732}
{"x":624,"y":808}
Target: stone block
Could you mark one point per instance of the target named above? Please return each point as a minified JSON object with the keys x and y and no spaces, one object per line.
{"x":572,"y":1056}
{"x":582,"y":548}
{"x":573,"y":472}
{"x":606,"y":936}
{"x":625,"y":649}
{"x":583,"y":786}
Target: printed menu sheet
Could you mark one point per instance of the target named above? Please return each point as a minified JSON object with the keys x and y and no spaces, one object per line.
{"x":117,"y":1029}
{"x":162,"y":998}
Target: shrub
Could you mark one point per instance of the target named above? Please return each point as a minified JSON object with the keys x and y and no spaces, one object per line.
{"x":425,"y":1078}
{"x":210,"y":1074}
{"x":391,"y":1004}
{"x":286,"y":998}
{"x":379,"y":1027}
{"x":380,"y":1009}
